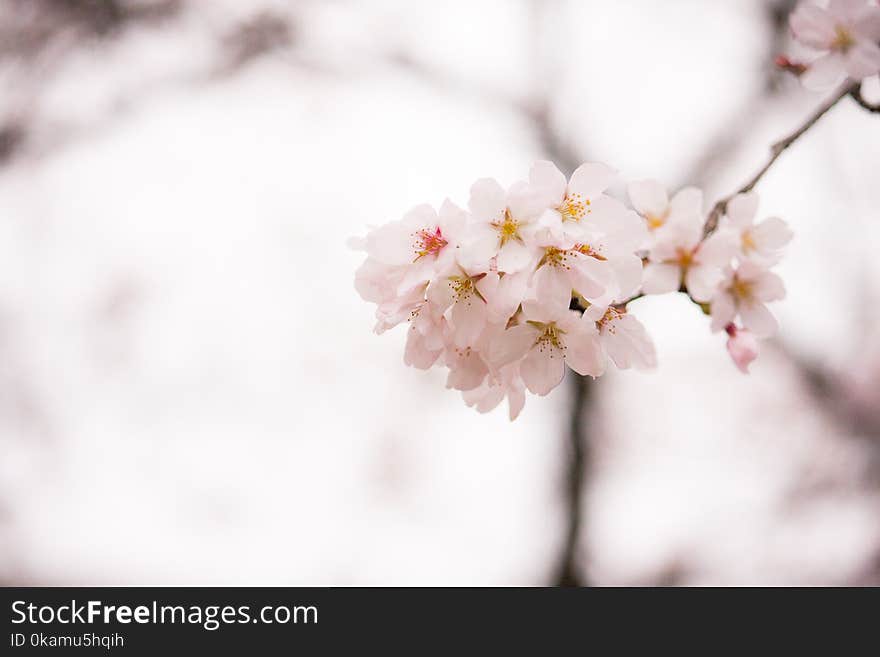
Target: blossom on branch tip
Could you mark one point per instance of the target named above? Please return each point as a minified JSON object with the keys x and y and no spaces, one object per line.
{"x":744,"y":292}
{"x":846,"y":36}
{"x":537,"y":276}
{"x":650,"y":200}
{"x":760,"y":242}
{"x":683,"y":258}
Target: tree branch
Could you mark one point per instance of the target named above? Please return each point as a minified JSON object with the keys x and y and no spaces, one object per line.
{"x":776,"y":150}
{"x":567,"y":573}
{"x":852,"y":89}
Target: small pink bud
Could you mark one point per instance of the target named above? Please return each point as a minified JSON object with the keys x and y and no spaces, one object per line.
{"x":742,"y":347}
{"x":784,"y":63}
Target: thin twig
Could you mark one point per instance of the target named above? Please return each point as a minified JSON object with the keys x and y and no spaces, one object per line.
{"x":775,"y":151}
{"x":848,"y":89}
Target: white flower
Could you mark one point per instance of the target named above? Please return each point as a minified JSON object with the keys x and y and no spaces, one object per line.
{"x":613,"y":235}
{"x":682,"y":257}
{"x":547,"y":339}
{"x":426,"y":338}
{"x":565,"y":268}
{"x":506,"y":383}
{"x":503,"y":226}
{"x":759,"y":242}
{"x":467,"y":369}
{"x":571,"y":204}
{"x":846,"y":35}
{"x":744,"y":292}
{"x":623,"y":338}
{"x":503,"y":294}
{"x":650,"y":200}
{"x":456,"y":295}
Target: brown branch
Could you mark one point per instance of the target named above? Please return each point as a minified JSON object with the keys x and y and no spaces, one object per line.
{"x":776,"y":150}
{"x":848,"y":89}
{"x":568,"y":571}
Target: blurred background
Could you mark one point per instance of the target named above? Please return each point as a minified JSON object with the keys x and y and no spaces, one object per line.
{"x":190,"y":390}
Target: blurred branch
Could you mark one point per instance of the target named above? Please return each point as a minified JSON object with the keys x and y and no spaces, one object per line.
{"x":720,"y":148}
{"x":567,"y":571}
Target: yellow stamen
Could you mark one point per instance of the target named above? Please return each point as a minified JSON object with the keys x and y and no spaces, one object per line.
{"x":741,"y":289}
{"x":843,"y":39}
{"x":656,"y":221}
{"x":550,"y":336}
{"x":554,"y":257}
{"x":508,"y":228}
{"x":684,"y":258}
{"x":588,"y":250}
{"x":573,"y":207}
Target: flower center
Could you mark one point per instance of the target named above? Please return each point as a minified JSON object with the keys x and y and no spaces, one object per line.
{"x":464,"y":287}
{"x":843,"y":39}
{"x":554,"y":257}
{"x":588,"y":250}
{"x":607,"y":322}
{"x":428,"y":242}
{"x":573,"y":207}
{"x":684,"y":258}
{"x":741,"y":289}
{"x":748,"y":241}
{"x":656,"y":221}
{"x":508,"y":228}
{"x":550,"y":336}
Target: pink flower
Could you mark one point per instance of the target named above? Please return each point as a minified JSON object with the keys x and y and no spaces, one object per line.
{"x":760,"y":242}
{"x":487,"y":293}
{"x":467,"y":369}
{"x":742,"y":347}
{"x":682,"y":257}
{"x":506,"y":383}
{"x":547,"y":339}
{"x":456,"y":295}
{"x":566,"y":268}
{"x":623,"y":338}
{"x":745,"y":291}
{"x":503,"y":226}
{"x":845,"y":34}
{"x":426,"y":338}
{"x":650,"y":200}
{"x":572,"y":204}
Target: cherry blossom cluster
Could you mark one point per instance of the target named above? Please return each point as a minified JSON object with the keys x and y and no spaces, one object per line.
{"x":727,"y":271}
{"x":845,"y":38}
{"x":538,"y":276}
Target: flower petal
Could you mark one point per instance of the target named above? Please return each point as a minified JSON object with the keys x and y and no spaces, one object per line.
{"x":825,"y":72}
{"x":648,"y":197}
{"x":863,"y":60}
{"x":488,"y":199}
{"x":660,"y":278}
{"x":741,"y":209}
{"x":542,"y":370}
{"x":548,"y":181}
{"x":758,"y":319}
{"x":813,"y":26}
{"x":591,"y":179}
